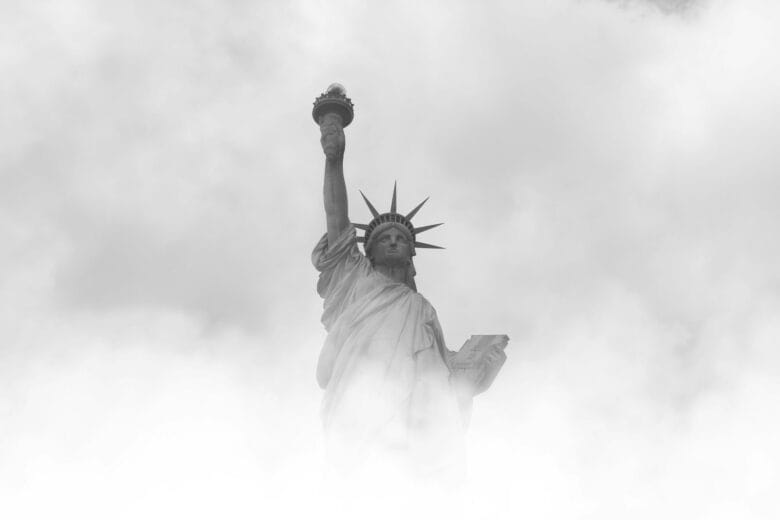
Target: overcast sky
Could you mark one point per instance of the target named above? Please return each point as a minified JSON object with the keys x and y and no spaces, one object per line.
{"x":607,"y":172}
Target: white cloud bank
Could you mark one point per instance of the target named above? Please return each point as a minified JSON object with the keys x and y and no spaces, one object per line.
{"x":607,"y":175}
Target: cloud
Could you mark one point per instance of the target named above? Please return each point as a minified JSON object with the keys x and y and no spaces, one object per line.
{"x":665,"y":6}
{"x":608,"y":186}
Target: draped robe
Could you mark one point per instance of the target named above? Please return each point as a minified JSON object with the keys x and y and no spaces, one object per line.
{"x":383,"y":366}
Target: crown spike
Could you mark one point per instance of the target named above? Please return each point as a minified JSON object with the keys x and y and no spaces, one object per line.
{"x":423,"y":245}
{"x":364,"y":227}
{"x":420,"y":229}
{"x":415,"y":210}
{"x":371,"y":207}
{"x":392,"y":203}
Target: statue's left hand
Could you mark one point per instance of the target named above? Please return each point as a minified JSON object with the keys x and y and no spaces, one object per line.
{"x":480,"y":376}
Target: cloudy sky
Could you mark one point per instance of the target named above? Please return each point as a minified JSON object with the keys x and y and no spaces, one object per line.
{"x":607,"y":173}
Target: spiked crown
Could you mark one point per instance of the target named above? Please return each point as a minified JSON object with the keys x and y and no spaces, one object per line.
{"x":392,"y":217}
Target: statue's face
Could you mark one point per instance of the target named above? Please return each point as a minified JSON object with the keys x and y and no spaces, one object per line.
{"x":392,"y":247}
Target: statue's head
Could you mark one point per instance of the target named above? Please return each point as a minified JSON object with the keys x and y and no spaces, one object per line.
{"x":391,"y":238}
{"x":390,"y":244}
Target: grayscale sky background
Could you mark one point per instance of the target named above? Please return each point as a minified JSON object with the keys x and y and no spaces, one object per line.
{"x":607,"y":172}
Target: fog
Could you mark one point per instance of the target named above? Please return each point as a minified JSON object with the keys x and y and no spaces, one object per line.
{"x":607,"y":175}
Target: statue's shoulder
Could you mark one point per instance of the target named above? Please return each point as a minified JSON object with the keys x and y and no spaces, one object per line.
{"x":343,"y":250}
{"x":426,"y":307}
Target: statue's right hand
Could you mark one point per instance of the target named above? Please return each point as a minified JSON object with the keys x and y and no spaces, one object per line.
{"x":332,"y":140}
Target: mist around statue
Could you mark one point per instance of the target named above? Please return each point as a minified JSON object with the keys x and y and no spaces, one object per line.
{"x":607,"y":177}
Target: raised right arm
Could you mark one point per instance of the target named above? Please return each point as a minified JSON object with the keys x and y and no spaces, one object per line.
{"x":334,"y":189}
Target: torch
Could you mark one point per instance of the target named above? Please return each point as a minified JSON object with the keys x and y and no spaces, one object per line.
{"x":334,"y":100}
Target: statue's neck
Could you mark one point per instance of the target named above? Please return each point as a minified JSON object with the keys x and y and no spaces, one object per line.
{"x":397,"y":273}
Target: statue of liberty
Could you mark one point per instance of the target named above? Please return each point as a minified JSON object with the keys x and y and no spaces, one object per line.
{"x":392,"y":389}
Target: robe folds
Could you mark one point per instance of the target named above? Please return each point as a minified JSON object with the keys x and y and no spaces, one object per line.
{"x":383,"y":365}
